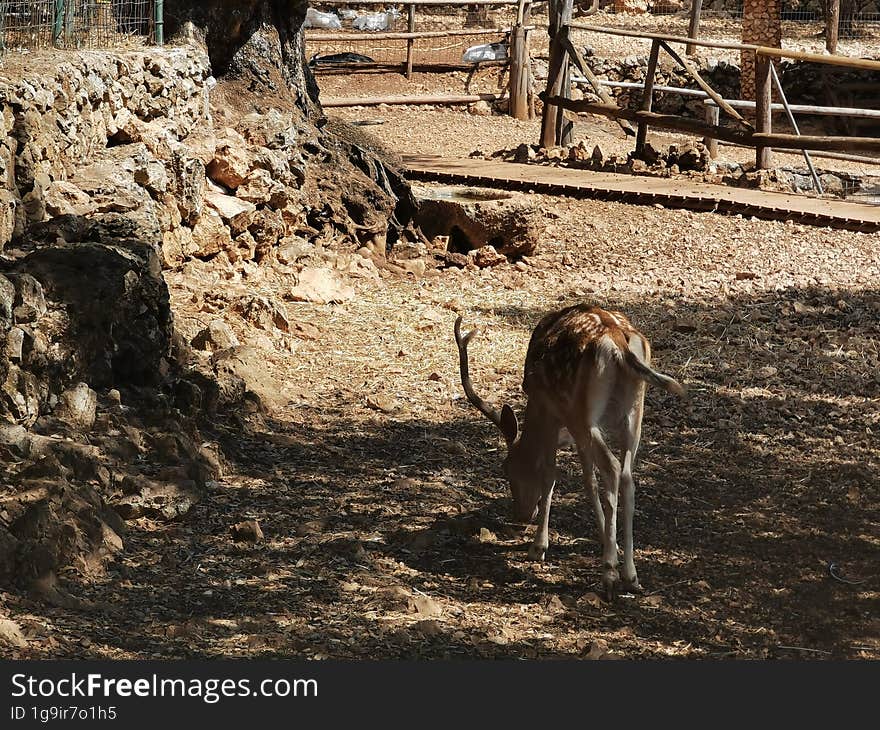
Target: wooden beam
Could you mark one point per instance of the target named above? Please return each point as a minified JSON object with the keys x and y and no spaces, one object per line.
{"x":411,"y":27}
{"x":864,"y":64}
{"x":422,"y":3}
{"x":729,"y":45}
{"x":553,"y":125}
{"x":414,"y":100}
{"x":825,"y":144}
{"x":832,"y":25}
{"x":595,"y":82}
{"x":694,"y":25}
{"x":313,"y":37}
{"x":763,"y":109}
{"x":713,"y":95}
{"x":713,"y":118}
{"x":845,"y":61}
{"x":662,"y":121}
{"x":648,"y":96}
{"x":519,"y":74}
{"x":747,"y":139}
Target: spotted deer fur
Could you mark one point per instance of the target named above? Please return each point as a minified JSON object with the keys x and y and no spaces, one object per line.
{"x":586,"y":371}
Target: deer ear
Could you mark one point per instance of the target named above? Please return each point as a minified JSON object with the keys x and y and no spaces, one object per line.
{"x":509,"y":424}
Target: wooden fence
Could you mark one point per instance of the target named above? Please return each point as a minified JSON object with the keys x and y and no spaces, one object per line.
{"x":516,"y":36}
{"x":757,"y":133}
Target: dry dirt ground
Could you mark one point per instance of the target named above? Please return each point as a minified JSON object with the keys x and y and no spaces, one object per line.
{"x":379,"y":492}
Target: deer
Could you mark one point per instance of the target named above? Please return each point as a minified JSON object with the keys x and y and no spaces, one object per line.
{"x":586,"y":371}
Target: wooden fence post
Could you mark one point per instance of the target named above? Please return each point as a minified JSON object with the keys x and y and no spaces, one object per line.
{"x":832,"y":25}
{"x":647,"y":96}
{"x":713,"y":117}
{"x":763,"y":109}
{"x":519,"y":73}
{"x":694,"y":26}
{"x":554,"y":129}
{"x":411,"y":27}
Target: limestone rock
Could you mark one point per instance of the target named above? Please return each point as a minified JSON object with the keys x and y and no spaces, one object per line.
{"x":8,"y":206}
{"x":232,"y":162}
{"x":263,"y":313}
{"x":480,"y":109}
{"x":30,"y":302}
{"x":238,"y":214}
{"x":210,"y":235}
{"x":7,"y":303}
{"x":62,"y":198}
{"x":77,"y":407}
{"x":511,"y":222}
{"x":486,"y":256}
{"x":215,"y":337}
{"x":321,"y":286}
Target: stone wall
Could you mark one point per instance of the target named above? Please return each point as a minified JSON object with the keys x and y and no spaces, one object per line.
{"x":56,"y":117}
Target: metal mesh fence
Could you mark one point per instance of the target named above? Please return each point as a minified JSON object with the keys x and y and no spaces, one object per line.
{"x":795,"y":11}
{"x":36,"y":24}
{"x":469,"y":25}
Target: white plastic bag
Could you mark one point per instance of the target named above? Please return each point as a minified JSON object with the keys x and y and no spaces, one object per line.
{"x":485,"y":52}
{"x":317,"y":19}
{"x":376,"y":21}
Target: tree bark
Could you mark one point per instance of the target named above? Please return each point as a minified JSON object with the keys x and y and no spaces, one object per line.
{"x":258,"y":41}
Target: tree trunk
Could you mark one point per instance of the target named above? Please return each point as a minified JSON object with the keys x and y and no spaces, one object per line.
{"x":257,"y":51}
{"x":258,"y":41}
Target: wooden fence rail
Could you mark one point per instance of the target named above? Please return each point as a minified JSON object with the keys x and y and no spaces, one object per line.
{"x":758,"y":135}
{"x":521,"y":105}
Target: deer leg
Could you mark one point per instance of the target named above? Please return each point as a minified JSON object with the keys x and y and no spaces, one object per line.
{"x":542,"y":537}
{"x":591,"y":485}
{"x":628,"y":494}
{"x":609,"y":468}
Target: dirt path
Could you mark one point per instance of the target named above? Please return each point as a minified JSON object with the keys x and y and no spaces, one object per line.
{"x":386,"y":517}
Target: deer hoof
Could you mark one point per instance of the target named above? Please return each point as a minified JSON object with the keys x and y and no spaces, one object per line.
{"x":631,"y":585}
{"x":536,"y":553}
{"x":610,"y":583}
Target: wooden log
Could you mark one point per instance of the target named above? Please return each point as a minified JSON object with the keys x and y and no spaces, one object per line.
{"x":648,"y":96}
{"x":824,"y":144}
{"x":317,"y":37}
{"x":713,"y":118}
{"x":654,"y":119}
{"x":332,"y":69}
{"x":410,"y":44}
{"x":729,"y":45}
{"x":552,"y":121}
{"x":595,"y":82}
{"x":864,"y":64}
{"x":438,"y":99}
{"x":422,"y":3}
{"x":564,"y":126}
{"x":747,"y":139}
{"x":519,"y":74}
{"x":845,"y":61}
{"x":832,"y":25}
{"x":823,"y":111}
{"x":763,"y":110}
{"x":694,"y":25}
{"x":714,"y":95}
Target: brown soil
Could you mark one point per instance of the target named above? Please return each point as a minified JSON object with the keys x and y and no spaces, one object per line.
{"x":379,"y":492}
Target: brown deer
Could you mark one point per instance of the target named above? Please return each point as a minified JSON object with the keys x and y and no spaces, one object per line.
{"x":586,"y":371}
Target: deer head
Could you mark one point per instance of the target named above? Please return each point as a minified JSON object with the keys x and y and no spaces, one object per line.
{"x":530,"y":464}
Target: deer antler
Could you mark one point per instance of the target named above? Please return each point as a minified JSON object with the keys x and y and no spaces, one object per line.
{"x":504,"y":419}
